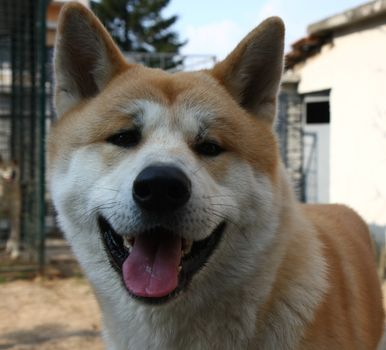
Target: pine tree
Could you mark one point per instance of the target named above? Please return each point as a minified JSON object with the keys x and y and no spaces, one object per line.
{"x":138,"y":26}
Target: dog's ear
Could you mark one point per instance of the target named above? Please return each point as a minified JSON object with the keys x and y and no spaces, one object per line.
{"x":86,"y":58}
{"x":252,"y":71}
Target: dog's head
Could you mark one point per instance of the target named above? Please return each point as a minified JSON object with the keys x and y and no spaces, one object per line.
{"x":166,"y":178}
{"x":8,"y":170}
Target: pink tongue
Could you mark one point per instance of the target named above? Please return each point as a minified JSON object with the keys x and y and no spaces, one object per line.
{"x":151,"y":269}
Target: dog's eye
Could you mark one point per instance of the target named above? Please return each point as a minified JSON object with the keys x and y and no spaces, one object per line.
{"x":209,"y":148}
{"x":126,"y":139}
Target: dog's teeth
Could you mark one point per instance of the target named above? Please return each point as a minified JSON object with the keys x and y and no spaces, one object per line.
{"x":128,"y":243}
{"x":186,"y":246}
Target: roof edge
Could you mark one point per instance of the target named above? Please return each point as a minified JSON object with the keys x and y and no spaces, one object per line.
{"x":347,"y":18}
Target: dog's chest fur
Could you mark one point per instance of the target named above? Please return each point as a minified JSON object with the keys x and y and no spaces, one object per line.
{"x":181,"y":329}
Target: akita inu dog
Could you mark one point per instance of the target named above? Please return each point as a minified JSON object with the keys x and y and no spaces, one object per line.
{"x":171,"y":191}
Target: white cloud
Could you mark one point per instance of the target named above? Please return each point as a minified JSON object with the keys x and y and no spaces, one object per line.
{"x":221,"y":27}
{"x":216,"y":38}
{"x":221,"y":37}
{"x":270,"y":8}
{"x":290,"y":13}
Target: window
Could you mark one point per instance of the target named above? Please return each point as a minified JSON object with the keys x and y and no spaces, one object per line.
{"x":317,"y":112}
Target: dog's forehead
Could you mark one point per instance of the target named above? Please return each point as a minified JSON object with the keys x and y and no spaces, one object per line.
{"x":188,"y":101}
{"x":152,"y":115}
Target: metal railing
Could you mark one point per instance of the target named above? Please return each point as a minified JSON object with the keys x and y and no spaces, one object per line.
{"x":171,"y":61}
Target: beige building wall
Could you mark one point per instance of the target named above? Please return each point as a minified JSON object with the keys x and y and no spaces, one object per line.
{"x":354,"y":68}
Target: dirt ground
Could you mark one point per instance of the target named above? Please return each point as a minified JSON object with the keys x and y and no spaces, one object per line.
{"x":60,"y":314}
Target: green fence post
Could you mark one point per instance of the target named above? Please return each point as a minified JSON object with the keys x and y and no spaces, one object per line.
{"x":41,"y":135}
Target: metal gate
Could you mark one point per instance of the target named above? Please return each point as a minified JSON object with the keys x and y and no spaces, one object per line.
{"x":22,"y":113}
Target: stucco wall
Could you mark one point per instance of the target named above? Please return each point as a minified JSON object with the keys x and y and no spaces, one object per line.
{"x":354,"y":68}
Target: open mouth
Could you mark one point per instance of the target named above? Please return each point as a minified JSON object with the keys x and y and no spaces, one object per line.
{"x":157,"y":264}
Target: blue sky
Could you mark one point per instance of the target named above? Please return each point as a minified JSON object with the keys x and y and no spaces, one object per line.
{"x":216,"y":26}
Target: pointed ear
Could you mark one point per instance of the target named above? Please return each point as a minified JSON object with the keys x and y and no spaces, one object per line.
{"x":252,"y":72}
{"x":86,"y":58}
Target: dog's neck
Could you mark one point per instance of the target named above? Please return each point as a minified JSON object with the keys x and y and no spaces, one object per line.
{"x":182,"y":324}
{"x":300,"y":280}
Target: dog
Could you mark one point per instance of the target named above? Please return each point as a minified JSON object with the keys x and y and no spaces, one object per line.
{"x":10,"y":194}
{"x":170,"y":189}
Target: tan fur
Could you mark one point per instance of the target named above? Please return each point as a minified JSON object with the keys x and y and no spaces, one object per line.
{"x":317,"y":288}
{"x":10,"y":196}
{"x":351,"y":315}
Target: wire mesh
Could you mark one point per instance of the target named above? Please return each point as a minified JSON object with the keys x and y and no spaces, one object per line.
{"x":21,"y":132}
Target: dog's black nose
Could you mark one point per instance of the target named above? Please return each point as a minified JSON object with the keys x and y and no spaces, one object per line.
{"x":161,"y":188}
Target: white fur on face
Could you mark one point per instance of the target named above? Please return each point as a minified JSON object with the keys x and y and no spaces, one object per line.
{"x":86,"y":186}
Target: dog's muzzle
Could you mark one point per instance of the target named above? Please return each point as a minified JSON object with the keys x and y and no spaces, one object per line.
{"x":158,"y":263}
